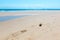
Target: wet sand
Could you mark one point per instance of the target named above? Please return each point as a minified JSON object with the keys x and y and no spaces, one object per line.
{"x":28,"y":12}
{"x":45,"y":26}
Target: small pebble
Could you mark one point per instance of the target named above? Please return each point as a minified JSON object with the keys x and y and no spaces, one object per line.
{"x":40,"y":25}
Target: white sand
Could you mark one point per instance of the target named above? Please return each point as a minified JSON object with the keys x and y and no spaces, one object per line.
{"x":27,"y":28}
{"x":27,"y":13}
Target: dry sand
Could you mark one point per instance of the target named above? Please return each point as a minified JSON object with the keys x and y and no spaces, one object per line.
{"x":45,"y":26}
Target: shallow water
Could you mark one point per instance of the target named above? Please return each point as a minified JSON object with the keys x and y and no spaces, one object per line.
{"x":5,"y":18}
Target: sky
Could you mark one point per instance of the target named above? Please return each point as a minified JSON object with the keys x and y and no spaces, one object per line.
{"x":29,"y":4}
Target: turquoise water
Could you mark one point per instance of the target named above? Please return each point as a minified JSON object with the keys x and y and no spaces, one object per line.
{"x":22,"y":10}
{"x":6,"y":18}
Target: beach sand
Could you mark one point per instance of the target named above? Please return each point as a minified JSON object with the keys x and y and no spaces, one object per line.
{"x":45,"y":26}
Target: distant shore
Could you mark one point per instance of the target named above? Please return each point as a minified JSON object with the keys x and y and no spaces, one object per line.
{"x":28,"y":12}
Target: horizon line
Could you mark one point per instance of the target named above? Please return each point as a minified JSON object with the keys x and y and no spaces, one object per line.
{"x":27,"y":9}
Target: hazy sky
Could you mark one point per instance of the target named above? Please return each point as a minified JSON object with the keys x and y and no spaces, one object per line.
{"x":30,"y":4}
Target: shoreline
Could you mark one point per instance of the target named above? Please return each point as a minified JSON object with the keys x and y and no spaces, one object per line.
{"x":28,"y":13}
